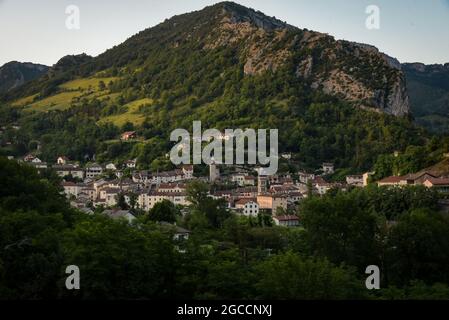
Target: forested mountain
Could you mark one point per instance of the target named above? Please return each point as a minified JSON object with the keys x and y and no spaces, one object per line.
{"x":14,"y":74}
{"x":428,"y":88}
{"x":230,"y":67}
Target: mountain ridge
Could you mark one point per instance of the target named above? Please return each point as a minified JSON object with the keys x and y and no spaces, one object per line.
{"x":15,"y":74}
{"x":229,"y":24}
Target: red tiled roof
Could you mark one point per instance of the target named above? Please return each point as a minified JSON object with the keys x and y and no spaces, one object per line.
{"x":393,"y":179}
{"x":245,"y":201}
{"x":439,"y":181}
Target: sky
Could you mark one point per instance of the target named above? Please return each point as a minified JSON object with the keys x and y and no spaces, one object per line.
{"x":36,"y":31}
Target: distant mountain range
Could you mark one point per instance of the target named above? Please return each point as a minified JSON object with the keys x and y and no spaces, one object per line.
{"x":428,"y":88}
{"x":15,"y":74}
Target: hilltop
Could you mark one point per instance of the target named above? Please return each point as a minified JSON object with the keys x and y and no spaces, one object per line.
{"x":230,"y":66}
{"x":15,"y":74}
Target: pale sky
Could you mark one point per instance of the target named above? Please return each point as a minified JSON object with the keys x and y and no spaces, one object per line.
{"x":35,"y":31}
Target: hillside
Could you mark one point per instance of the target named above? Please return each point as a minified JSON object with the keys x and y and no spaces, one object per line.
{"x":428,"y":88}
{"x":15,"y":74}
{"x":230,"y":66}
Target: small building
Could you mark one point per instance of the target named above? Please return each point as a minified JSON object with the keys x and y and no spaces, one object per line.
{"x":31,"y":158}
{"x":355,"y":180}
{"x":272,"y":201}
{"x":129,"y":135}
{"x":328,"y":168}
{"x":69,"y":170}
{"x":111,"y":166}
{"x":62,"y":160}
{"x":286,"y":221}
{"x":251,"y":209}
{"x":93,"y":170}
{"x":131,"y":163}
{"x":120,"y":214}
{"x":392,"y":181}
{"x":305,"y":177}
{"x":72,"y":189}
{"x":440,"y":184}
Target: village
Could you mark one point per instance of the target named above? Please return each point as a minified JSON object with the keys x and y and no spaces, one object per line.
{"x":102,"y":186}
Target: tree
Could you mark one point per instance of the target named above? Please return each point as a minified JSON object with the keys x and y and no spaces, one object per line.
{"x":121,"y":202}
{"x":340,"y":228}
{"x":289,"y":276}
{"x":164,"y":211}
{"x":418,"y":248}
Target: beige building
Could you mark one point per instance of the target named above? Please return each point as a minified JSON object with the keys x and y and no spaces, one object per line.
{"x":272,"y":202}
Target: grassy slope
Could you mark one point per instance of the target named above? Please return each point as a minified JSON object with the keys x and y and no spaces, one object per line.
{"x":87,"y":87}
{"x":131,"y":115}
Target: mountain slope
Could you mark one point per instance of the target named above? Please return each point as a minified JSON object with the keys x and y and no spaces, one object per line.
{"x":353,"y":72}
{"x":230,"y":67}
{"x":15,"y":74}
{"x":428,"y":87}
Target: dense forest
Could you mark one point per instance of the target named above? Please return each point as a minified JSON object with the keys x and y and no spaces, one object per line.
{"x":226,"y":257}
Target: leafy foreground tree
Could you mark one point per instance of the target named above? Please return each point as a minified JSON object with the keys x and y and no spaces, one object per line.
{"x":290,"y":276}
{"x":226,"y":257}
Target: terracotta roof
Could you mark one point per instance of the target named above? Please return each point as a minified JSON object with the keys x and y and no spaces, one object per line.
{"x":68,"y":184}
{"x":439,"y":181}
{"x":392,"y":179}
{"x":245,"y":201}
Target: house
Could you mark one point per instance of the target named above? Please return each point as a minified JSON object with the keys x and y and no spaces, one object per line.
{"x":31,"y":158}
{"x":321,"y":185}
{"x":294,"y":197}
{"x":249,"y":181}
{"x":39,"y":164}
{"x":62,"y":160}
{"x":240,"y":204}
{"x":286,"y":221}
{"x":355,"y":180}
{"x":249,"y":207}
{"x":392,"y":181}
{"x":238,"y":179}
{"x":110,"y":195}
{"x":328,"y":168}
{"x":111,"y":166}
{"x":120,"y":214}
{"x":272,"y":201}
{"x":93,"y":170}
{"x":420,"y":177}
{"x":305,"y":177}
{"x":131,"y":163}
{"x":172,"y":187}
{"x":179,"y":233}
{"x":69,"y":169}
{"x":147,"y":200}
{"x":440,"y":184}
{"x":187,"y":170}
{"x":72,"y":189}
{"x":129,"y":135}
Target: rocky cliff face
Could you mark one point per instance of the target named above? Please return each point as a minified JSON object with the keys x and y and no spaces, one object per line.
{"x":15,"y":74}
{"x":355,"y":72}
